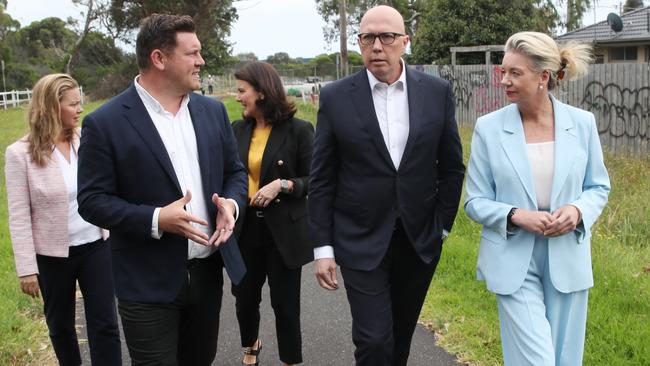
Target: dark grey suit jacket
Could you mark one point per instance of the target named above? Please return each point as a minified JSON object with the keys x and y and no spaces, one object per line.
{"x":356,"y":193}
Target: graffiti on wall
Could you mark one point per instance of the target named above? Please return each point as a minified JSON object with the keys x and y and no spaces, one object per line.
{"x":475,"y":89}
{"x":620,"y":111}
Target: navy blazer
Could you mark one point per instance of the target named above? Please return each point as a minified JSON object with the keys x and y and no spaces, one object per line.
{"x":287,"y":155}
{"x":125,"y":173}
{"x":356,"y":193}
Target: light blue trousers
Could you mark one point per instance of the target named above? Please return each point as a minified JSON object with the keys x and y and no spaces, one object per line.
{"x":541,"y":326}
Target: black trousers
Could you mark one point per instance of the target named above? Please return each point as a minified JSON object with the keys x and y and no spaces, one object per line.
{"x":263,"y":260}
{"x":90,"y":265}
{"x":385,"y":303}
{"x":184,"y":331}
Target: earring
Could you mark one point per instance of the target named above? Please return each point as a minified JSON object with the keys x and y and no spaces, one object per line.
{"x":541,"y":86}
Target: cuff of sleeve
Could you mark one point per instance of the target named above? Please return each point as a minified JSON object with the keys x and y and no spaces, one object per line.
{"x":445,"y":234}
{"x":155,"y":232}
{"x":236,"y":207}
{"x":326,"y":251}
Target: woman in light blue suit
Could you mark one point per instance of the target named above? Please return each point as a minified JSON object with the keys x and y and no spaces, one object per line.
{"x":537,"y":183}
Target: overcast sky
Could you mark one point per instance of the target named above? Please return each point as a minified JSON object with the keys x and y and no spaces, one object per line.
{"x":264,"y":26}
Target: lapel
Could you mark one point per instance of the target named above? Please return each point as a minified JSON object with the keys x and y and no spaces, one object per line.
{"x":279,"y":133}
{"x":138,"y":117}
{"x":244,"y":141}
{"x":514,"y":145}
{"x":416,"y":109}
{"x":361,"y":95}
{"x":565,"y":139}
{"x":201,"y":131}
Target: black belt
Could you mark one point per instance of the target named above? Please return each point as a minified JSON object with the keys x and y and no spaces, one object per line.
{"x":195,"y":262}
{"x":253,"y":212}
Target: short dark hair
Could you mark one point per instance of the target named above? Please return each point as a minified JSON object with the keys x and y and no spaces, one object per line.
{"x":264,"y":79}
{"x":158,"y":31}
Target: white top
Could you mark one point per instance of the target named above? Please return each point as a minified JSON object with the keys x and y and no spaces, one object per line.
{"x":542,"y":165}
{"x":177,"y":134}
{"x":392,"y":108}
{"x":80,"y":231}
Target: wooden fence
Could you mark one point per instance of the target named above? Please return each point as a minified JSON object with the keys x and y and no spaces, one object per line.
{"x":617,"y":94}
{"x":15,"y":98}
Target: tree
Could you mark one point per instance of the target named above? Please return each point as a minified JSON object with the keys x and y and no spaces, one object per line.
{"x":575,"y":9}
{"x":90,"y":16}
{"x":631,"y":5}
{"x":444,"y":24}
{"x":279,"y":58}
{"x":212,"y":18}
{"x":329,"y":10}
{"x":7,"y":24}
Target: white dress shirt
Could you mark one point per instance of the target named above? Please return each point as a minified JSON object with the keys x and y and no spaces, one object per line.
{"x":392,"y":109}
{"x":80,"y":231}
{"x":177,"y":134}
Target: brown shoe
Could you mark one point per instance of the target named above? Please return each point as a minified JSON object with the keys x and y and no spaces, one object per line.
{"x":251,"y":353}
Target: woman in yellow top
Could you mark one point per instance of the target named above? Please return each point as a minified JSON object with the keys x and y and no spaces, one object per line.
{"x":276,"y":149}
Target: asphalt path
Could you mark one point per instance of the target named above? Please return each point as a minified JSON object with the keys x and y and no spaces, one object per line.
{"x":326,"y":329}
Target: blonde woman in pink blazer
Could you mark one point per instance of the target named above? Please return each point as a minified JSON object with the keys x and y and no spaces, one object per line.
{"x":54,"y":247}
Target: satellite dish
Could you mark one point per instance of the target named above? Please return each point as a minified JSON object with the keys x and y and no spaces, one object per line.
{"x":615,"y":22}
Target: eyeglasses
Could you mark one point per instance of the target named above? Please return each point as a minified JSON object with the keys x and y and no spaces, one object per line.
{"x":386,"y":38}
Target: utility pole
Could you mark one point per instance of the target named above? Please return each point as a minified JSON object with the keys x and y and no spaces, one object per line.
{"x":343,"y":31}
{"x":4,"y":86}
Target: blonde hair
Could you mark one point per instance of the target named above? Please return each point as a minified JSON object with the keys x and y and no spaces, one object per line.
{"x":44,"y":115}
{"x":571,"y":59}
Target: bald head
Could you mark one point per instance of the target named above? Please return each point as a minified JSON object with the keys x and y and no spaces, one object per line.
{"x":384,"y":42}
{"x":382,"y":15}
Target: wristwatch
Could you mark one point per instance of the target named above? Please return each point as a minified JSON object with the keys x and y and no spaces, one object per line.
{"x":284,"y":186}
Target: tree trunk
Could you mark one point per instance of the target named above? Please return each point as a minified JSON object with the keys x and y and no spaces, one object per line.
{"x":90,"y":16}
{"x":343,"y":31}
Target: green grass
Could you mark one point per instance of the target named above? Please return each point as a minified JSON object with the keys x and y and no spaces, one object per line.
{"x":458,"y":307}
{"x":306,"y":111}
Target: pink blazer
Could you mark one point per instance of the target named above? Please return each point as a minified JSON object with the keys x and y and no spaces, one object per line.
{"x":38,"y":207}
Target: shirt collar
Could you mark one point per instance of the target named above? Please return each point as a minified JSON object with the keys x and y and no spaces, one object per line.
{"x":400,"y":82}
{"x":150,"y":102}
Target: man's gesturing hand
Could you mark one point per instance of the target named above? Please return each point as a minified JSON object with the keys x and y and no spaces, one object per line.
{"x":225,"y":220}
{"x":325,"y":269}
{"x":174,"y":219}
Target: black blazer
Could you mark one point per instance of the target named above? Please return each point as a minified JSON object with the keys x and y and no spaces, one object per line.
{"x":356,"y":194}
{"x":287,"y":155}
{"x":125,"y":173}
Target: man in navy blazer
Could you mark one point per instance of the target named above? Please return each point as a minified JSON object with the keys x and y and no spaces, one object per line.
{"x":159,"y":168}
{"x":385,"y":184}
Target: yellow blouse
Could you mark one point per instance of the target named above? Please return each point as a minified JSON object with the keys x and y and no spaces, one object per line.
{"x":255,"y":153}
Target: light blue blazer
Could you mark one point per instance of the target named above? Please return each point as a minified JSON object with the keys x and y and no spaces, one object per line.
{"x":499,"y":178}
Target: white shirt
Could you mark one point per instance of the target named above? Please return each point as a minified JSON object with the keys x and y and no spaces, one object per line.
{"x":79,"y":230}
{"x":177,"y":134}
{"x":542,"y":164}
{"x":392,"y":109}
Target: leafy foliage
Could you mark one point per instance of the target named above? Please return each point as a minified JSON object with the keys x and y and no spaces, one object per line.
{"x":447,"y":24}
{"x":212,"y":18}
{"x":631,"y":5}
{"x":329,"y":10}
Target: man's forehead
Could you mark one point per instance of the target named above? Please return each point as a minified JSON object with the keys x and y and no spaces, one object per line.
{"x":187,"y":40}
